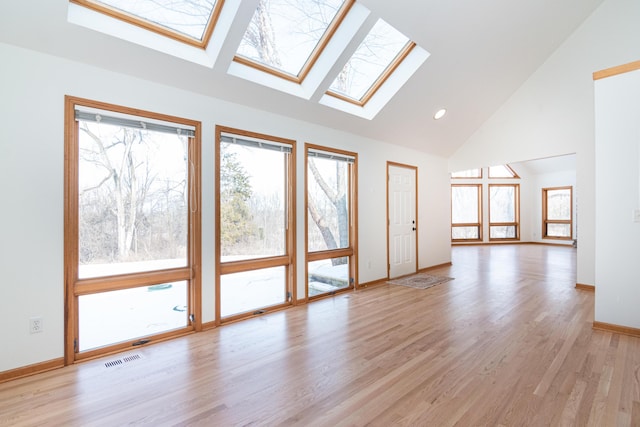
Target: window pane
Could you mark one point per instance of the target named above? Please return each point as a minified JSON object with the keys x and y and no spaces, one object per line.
{"x":111,"y":317}
{"x":559,"y":230}
{"x":502,"y":232}
{"x":189,"y":17}
{"x":465,"y":233}
{"x":252,"y":202}
{"x":133,"y":196}
{"x":328,"y":275}
{"x":501,"y":171}
{"x":502,"y":203}
{"x":283,"y":34}
{"x":374,"y":55}
{"x":464,"y":205}
{"x":251,"y":290}
{"x":471,"y":173}
{"x":328,"y":211}
{"x":559,"y":204}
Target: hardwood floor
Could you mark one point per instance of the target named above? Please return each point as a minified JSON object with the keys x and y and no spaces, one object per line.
{"x":509,"y":342}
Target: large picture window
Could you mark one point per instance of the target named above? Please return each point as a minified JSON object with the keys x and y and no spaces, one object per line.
{"x":331,"y":232}
{"x":557,"y":213}
{"x":504,"y":212}
{"x":466,"y":212}
{"x":131,"y":226}
{"x":254,"y":223}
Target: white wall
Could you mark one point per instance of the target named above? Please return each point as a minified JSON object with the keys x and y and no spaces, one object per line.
{"x":552,"y":113}
{"x":617,"y":197}
{"x":33,"y":87}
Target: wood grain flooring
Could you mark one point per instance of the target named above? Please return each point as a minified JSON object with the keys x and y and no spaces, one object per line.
{"x":509,"y":342}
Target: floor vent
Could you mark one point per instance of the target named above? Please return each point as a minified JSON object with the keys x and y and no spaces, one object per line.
{"x":124,"y":359}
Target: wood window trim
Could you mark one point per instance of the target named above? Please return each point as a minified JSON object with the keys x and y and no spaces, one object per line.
{"x":515,"y":223}
{"x":157,"y":28}
{"x":313,"y":56}
{"x":478,"y":224}
{"x":288,"y":260}
{"x":352,"y":200}
{"x":73,"y":285}
{"x":546,"y":222}
{"x":617,"y":70}
{"x":402,"y":55}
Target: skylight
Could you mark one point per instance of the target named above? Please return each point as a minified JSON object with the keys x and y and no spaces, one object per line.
{"x":376,"y":57}
{"x":293,"y":46}
{"x":287,"y":36}
{"x":189,"y":21}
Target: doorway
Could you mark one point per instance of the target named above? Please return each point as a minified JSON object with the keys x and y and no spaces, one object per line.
{"x":402,"y":219}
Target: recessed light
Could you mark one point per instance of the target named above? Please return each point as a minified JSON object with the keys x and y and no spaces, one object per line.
{"x":439,"y":114}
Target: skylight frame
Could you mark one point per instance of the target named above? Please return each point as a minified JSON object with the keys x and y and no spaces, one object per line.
{"x":156,"y":28}
{"x":313,"y":56}
{"x":382,"y":78}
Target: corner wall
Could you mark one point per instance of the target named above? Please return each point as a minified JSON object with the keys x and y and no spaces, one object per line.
{"x":618,"y":200}
{"x":552,"y":113}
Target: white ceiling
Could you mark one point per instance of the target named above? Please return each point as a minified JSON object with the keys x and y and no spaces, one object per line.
{"x":481,"y":52}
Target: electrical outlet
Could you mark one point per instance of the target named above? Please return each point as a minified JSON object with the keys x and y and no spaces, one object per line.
{"x":35,"y":325}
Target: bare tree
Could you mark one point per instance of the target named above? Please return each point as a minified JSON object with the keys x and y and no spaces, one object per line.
{"x":129,"y":187}
{"x":338,"y":197}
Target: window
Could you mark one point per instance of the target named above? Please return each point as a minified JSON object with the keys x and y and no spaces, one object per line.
{"x":502,"y":171}
{"x":285,"y":38}
{"x":331,"y":231}
{"x":188,"y":21}
{"x":131,"y":227}
{"x":557,"y":213}
{"x":470,"y":173}
{"x":466,"y":212}
{"x":373,"y":61}
{"x":504,"y":212}
{"x":254,"y":223}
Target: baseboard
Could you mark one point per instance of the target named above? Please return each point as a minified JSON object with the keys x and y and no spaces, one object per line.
{"x":433,"y":267}
{"x":583,"y":287}
{"x":36,"y":368}
{"x":625,"y":330}
{"x":515,"y":242}
{"x":373,"y":283}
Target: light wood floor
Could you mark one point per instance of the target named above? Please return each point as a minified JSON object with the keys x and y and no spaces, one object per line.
{"x":507,"y":343}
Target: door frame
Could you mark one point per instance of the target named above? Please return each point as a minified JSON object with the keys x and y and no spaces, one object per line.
{"x":415,"y":169}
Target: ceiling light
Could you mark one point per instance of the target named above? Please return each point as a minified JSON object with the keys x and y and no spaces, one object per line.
{"x":440,"y":114}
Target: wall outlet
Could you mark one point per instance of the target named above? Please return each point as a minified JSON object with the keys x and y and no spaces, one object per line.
{"x":35,"y":325}
{"x":636,"y":215}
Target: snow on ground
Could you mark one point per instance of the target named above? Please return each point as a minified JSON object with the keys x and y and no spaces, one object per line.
{"x":111,"y":317}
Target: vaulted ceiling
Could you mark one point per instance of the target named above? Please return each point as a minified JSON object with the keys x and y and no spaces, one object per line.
{"x":481,"y":52}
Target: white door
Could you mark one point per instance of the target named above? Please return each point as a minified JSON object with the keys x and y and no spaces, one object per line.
{"x":402,"y":220}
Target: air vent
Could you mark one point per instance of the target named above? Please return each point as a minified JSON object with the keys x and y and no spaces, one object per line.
{"x":124,"y":359}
